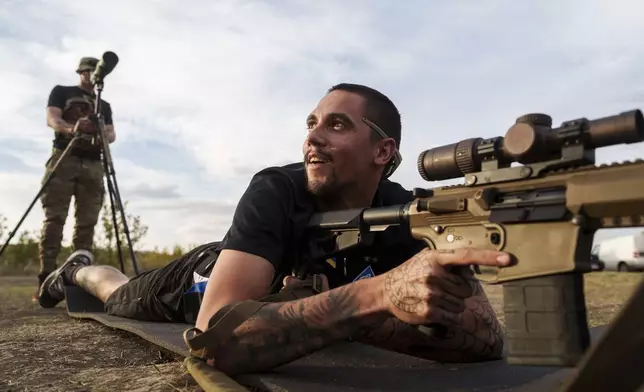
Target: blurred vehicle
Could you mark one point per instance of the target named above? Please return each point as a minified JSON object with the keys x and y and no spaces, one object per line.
{"x":595,"y":264}
{"x":624,"y":253}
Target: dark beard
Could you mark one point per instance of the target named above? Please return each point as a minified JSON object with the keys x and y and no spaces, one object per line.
{"x":323,"y":190}
{"x":331,"y":194}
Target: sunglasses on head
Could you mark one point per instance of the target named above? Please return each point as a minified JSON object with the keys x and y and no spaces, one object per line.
{"x":396,"y":160}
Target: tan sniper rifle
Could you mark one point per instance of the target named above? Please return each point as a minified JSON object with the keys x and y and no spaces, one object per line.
{"x":545,"y":213}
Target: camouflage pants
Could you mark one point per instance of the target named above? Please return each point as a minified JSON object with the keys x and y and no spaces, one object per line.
{"x":78,"y":177}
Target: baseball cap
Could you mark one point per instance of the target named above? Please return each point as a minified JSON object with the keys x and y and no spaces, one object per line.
{"x":87,"y":64}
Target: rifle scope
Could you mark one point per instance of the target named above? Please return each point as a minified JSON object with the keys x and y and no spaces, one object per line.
{"x":531,"y":139}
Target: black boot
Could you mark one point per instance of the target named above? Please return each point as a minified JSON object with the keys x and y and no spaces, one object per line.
{"x":52,"y":290}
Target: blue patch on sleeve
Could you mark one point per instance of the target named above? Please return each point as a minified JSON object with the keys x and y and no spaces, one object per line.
{"x":197,"y":288}
{"x":365,"y":274}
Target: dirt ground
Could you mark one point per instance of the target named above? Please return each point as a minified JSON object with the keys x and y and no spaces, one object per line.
{"x":45,"y":350}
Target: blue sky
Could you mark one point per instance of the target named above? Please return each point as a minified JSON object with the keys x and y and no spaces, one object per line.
{"x":205,"y":95}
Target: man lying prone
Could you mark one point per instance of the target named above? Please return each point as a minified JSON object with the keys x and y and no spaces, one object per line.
{"x":376,"y":296}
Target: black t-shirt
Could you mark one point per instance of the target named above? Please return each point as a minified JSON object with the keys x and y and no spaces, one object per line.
{"x":271,"y":216}
{"x":60,"y":97}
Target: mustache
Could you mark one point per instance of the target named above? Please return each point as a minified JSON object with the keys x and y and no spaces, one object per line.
{"x":326,"y":156}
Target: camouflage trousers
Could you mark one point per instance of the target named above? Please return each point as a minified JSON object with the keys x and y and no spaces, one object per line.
{"x":78,"y":177}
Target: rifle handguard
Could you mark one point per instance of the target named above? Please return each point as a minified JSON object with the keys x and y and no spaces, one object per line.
{"x":204,"y":344}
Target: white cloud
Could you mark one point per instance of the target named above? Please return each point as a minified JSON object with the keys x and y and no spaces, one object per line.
{"x":231,"y":82}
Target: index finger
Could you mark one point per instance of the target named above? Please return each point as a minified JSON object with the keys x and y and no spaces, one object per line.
{"x":468,"y":256}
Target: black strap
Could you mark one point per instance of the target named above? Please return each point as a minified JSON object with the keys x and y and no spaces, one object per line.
{"x":203,"y":344}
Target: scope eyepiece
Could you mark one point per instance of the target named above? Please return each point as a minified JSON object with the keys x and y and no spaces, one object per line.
{"x":449,"y":161}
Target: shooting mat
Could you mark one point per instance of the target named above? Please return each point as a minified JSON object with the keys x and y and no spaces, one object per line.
{"x":342,"y":367}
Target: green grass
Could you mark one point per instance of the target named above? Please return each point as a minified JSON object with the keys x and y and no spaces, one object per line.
{"x":18,"y":293}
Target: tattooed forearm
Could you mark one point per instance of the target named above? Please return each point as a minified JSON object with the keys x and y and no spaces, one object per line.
{"x":282,"y":332}
{"x":478,"y":336}
{"x":60,"y":125}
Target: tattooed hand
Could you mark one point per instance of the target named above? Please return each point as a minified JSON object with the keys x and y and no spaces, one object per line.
{"x":426,"y":289}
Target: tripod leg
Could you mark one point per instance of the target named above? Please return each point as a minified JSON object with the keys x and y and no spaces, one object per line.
{"x":125,"y":227}
{"x":116,"y":233}
{"x":97,"y":119}
{"x":40,"y":191}
{"x":114,"y":220}
{"x":115,"y":198}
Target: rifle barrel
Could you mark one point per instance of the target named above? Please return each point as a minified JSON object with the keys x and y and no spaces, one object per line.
{"x":393,"y":215}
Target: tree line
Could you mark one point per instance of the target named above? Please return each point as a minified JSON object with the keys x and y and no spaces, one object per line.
{"x":21,"y":255}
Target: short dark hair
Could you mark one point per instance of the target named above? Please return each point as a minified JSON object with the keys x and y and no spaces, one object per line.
{"x":379,"y":109}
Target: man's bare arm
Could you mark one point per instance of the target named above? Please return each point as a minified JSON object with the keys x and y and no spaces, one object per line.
{"x":56,"y":122}
{"x":479,"y":336}
{"x":110,"y":134}
{"x":282,"y":332}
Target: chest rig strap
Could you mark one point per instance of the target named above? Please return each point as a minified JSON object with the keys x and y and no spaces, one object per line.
{"x":203,"y":344}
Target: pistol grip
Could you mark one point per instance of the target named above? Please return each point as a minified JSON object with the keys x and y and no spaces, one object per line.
{"x":546,"y":320}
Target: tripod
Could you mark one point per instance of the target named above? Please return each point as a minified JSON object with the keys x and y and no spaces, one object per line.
{"x":103,"y":68}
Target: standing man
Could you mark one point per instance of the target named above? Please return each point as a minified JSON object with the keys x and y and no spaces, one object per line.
{"x":80,"y":173}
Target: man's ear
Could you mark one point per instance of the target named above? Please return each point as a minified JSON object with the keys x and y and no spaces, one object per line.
{"x":385,"y":151}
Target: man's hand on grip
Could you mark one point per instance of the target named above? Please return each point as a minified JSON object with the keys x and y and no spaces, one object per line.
{"x":85,"y":125}
{"x":428,"y":289}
